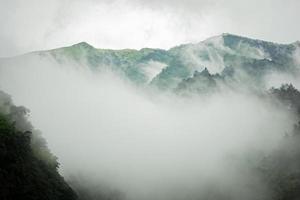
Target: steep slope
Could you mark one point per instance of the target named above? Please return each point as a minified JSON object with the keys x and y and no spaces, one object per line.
{"x":28,"y":171}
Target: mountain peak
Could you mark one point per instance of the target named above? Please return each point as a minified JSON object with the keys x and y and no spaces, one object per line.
{"x":83,"y":45}
{"x":224,"y":36}
{"x":297,"y":43}
{"x":230,"y":35}
{"x":204,"y":72}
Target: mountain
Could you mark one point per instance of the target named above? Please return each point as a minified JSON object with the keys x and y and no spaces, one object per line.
{"x":139,"y":66}
{"x":233,"y":57}
{"x":28,"y":170}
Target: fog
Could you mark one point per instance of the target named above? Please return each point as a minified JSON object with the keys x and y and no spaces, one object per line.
{"x":109,"y":133}
{"x":35,"y":24}
{"x":276,"y":79}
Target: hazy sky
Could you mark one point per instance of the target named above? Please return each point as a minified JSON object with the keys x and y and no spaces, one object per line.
{"x":42,"y":24}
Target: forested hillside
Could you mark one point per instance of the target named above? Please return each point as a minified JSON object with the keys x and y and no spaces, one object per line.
{"x":28,"y":171}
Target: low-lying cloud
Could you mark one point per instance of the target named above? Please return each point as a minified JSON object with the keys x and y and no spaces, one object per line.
{"x":147,"y":145}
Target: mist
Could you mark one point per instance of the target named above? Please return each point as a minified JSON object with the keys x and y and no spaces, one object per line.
{"x":31,"y":25}
{"x":146,"y":144}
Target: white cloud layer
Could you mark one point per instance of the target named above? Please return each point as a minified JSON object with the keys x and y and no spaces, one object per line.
{"x":40,"y":24}
{"x":147,"y":145}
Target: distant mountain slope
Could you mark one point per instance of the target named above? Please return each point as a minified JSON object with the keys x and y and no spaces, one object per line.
{"x":227,"y":54}
{"x":139,"y":66}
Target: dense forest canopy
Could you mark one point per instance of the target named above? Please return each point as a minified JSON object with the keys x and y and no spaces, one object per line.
{"x":28,"y":170}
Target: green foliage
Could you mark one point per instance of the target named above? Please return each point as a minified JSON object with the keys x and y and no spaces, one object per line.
{"x":28,"y":171}
{"x":201,"y":82}
{"x":281,"y":169}
{"x":251,"y":59}
{"x":289,"y":95}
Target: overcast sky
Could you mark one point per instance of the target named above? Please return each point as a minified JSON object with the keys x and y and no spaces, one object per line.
{"x":28,"y":25}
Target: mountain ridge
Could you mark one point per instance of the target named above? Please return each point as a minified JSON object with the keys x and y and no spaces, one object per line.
{"x":165,"y":69}
{"x":84,"y":43}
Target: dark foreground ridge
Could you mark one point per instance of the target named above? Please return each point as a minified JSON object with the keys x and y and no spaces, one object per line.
{"x":28,"y":171}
